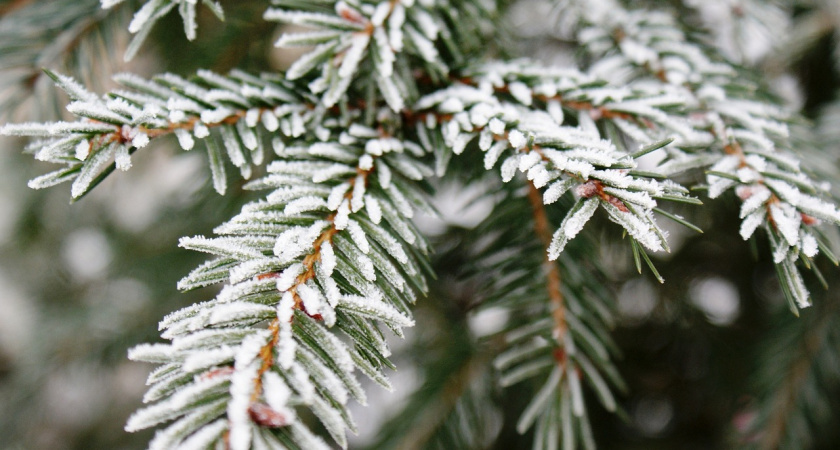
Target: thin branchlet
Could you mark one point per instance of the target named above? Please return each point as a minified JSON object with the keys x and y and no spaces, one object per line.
{"x":552,"y":272}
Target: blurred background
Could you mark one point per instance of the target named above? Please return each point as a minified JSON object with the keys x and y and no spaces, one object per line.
{"x":713,"y":358}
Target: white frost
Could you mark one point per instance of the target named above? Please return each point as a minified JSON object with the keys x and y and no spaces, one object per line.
{"x":517,"y":139}
{"x":287,"y":278}
{"x":328,"y":259}
{"x":787,"y":221}
{"x":751,"y":223}
{"x":122,"y":158}
{"x":373,"y":209}
{"x":185,"y":140}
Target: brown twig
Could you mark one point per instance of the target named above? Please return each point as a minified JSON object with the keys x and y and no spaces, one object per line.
{"x":266,"y":353}
{"x":552,"y":272}
{"x":787,"y":396}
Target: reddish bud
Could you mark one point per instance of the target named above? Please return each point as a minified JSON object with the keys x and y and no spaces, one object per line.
{"x":222,"y":371}
{"x":744,"y":192}
{"x":617,"y":203}
{"x":589,"y":189}
{"x":267,"y":275}
{"x":809,"y":220}
{"x":350,"y":14}
{"x":264,"y":416}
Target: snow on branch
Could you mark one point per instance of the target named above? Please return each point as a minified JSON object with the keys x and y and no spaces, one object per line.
{"x":550,"y":338}
{"x":750,"y":151}
{"x":329,"y":248}
{"x":517,"y":112}
{"x":231,"y":112}
{"x":374,"y":39}
{"x":154,"y":10}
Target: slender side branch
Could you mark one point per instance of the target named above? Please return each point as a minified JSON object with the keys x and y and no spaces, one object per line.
{"x":786,"y":398}
{"x":267,"y":351}
{"x":552,"y":273}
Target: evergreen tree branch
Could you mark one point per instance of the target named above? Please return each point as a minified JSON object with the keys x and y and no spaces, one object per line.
{"x":336,"y":244}
{"x":796,"y":389}
{"x":566,"y":157}
{"x":747,"y":31}
{"x":749,"y":151}
{"x":526,"y":286}
{"x":326,"y":238}
{"x":116,"y":125}
{"x":552,"y":272}
{"x":154,"y":10}
{"x":388,"y":87}
{"x":51,"y":35}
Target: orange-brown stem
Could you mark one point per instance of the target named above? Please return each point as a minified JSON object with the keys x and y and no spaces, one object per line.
{"x":552,"y":272}
{"x":266,"y":353}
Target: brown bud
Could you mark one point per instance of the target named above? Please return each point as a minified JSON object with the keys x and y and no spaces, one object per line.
{"x":221,"y":371}
{"x":809,"y":220}
{"x":618,"y":203}
{"x":264,"y":416}
{"x":589,"y":189}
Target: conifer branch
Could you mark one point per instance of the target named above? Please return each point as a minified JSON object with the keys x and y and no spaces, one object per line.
{"x":37,"y":36}
{"x":794,"y":389}
{"x":552,"y":273}
{"x":154,"y":10}
{"x":387,"y":89}
{"x":332,"y":266}
{"x":786,"y":397}
{"x":326,"y":238}
{"x":114,"y":126}
{"x":749,"y":151}
{"x":551,"y":153}
{"x":561,"y":352}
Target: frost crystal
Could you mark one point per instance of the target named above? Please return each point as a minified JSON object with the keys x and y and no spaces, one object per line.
{"x":83,"y":150}
{"x":373,"y":209}
{"x":809,"y":245}
{"x":571,"y":226}
{"x":517,"y":139}
{"x":751,"y":223}
{"x":521,"y":93}
{"x":288,"y":277}
{"x":787,"y":222}
{"x":140,"y":140}
{"x":185,"y":140}
{"x":496,"y":126}
{"x":328,"y":261}
{"x":509,"y":168}
{"x":122,"y":159}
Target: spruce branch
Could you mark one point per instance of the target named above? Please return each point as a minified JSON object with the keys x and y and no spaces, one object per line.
{"x":154,"y":10}
{"x":335,"y":253}
{"x":52,"y":35}
{"x":562,"y":157}
{"x":390,"y":92}
{"x":552,"y":273}
{"x":550,"y":337}
{"x":116,"y":125}
{"x":794,"y":390}
{"x":749,"y":151}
